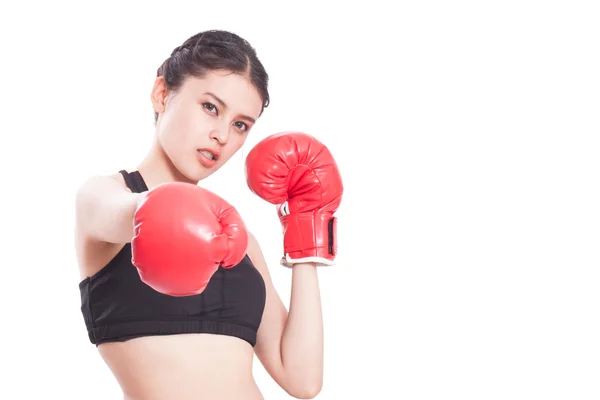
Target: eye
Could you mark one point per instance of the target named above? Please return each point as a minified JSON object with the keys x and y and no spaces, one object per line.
{"x":211,"y":107}
{"x":241,"y":125}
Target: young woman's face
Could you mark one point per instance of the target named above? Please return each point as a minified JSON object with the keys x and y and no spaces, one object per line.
{"x":202,"y":125}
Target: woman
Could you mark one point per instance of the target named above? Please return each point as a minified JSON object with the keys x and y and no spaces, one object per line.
{"x":207,"y":95}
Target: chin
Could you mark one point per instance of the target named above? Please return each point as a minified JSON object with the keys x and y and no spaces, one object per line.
{"x":196,"y":174}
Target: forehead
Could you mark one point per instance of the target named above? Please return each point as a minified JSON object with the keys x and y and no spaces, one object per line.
{"x":235,"y":90}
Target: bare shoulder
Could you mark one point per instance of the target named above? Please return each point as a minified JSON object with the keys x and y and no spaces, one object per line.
{"x":95,"y":209}
{"x":256,"y":255}
{"x":90,"y":192}
{"x":254,"y":251}
{"x":94,"y":182}
{"x":99,"y":199}
{"x":118,"y":178}
{"x":95,"y":189}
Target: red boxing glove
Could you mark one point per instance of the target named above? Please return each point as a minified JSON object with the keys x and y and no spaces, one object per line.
{"x":298,"y":173}
{"x":183,"y":233}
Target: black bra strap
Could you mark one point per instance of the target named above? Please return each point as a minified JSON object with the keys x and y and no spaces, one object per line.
{"x":134,"y":181}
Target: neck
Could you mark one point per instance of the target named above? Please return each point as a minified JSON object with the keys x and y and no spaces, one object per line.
{"x":156,"y":168}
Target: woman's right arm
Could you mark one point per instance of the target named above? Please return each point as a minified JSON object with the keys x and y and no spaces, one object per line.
{"x":105,"y":210}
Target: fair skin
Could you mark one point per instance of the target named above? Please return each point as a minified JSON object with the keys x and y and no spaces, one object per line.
{"x":216,"y":112}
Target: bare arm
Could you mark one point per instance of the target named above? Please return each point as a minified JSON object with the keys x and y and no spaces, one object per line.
{"x":290,"y":345}
{"x":105,"y":209}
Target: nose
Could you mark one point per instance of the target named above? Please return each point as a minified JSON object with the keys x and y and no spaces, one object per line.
{"x":220,"y":134}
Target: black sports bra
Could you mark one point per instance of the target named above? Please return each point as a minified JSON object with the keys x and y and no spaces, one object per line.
{"x":117,"y":306}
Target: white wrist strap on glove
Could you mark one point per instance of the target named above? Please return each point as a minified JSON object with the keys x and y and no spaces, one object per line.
{"x":286,"y":261}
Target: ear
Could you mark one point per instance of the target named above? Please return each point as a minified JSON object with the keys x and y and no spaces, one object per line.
{"x":159,"y":94}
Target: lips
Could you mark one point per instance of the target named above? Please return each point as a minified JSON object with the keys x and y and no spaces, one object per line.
{"x":208,"y":157}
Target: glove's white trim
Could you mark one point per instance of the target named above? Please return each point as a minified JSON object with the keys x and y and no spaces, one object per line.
{"x":284,"y":208}
{"x":286,"y":261}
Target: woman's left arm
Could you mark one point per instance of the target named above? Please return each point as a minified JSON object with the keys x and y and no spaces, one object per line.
{"x":290,"y":344}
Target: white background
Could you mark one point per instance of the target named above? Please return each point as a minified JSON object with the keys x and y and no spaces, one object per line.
{"x":467,"y":137}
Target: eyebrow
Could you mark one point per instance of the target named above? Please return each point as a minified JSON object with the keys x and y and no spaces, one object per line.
{"x":222,"y":103}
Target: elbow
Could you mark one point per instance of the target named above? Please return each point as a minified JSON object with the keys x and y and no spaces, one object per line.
{"x":307,"y":389}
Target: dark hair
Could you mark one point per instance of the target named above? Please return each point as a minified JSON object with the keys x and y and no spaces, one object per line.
{"x":214,"y":50}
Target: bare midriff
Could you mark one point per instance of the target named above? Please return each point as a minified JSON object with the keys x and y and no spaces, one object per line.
{"x":182,"y":367}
